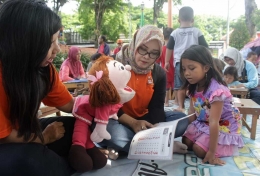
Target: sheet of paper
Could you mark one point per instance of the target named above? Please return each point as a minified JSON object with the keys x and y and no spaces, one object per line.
{"x":154,"y":143}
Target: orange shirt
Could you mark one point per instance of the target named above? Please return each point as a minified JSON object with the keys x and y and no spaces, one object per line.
{"x":143,"y":87}
{"x":58,"y":96}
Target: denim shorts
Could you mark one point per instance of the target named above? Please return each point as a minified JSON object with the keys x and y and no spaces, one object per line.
{"x":177,"y":77}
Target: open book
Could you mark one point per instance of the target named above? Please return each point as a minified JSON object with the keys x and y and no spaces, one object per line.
{"x":154,"y":143}
{"x":236,"y":101}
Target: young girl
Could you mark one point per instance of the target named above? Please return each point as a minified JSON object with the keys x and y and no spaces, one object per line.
{"x":231,"y":77}
{"x":214,"y":130}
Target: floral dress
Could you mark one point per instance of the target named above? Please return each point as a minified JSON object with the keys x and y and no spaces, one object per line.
{"x":230,"y":120}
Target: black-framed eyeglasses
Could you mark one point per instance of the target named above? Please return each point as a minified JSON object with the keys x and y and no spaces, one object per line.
{"x":152,"y":55}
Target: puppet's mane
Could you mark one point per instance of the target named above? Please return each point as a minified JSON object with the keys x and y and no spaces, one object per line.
{"x":103,"y":91}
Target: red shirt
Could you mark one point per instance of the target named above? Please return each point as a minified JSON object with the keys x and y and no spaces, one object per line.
{"x":117,"y":50}
{"x":161,"y":60}
{"x":101,"y":49}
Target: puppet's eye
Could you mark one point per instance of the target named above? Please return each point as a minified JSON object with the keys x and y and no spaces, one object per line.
{"x":121,"y":67}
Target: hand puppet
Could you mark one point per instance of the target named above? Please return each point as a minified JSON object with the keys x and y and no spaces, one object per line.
{"x":108,"y":91}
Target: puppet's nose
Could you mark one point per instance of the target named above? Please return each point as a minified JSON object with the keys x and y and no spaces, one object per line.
{"x":128,"y":67}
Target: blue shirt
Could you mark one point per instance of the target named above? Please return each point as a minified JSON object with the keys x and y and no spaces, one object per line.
{"x":252,"y":75}
{"x":235,"y":83}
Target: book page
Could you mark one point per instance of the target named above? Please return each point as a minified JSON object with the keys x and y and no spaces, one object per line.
{"x":154,"y":143}
{"x":236,"y":101}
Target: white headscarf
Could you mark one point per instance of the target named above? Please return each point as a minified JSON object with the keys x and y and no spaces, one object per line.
{"x":234,"y":54}
{"x":127,"y":54}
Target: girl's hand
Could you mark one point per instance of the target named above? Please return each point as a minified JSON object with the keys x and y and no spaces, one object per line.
{"x":139,"y":125}
{"x":53,"y":132}
{"x":211,"y":159}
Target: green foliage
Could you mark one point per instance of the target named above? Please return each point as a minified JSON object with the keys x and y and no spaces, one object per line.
{"x":110,"y":14}
{"x":157,"y":9}
{"x":240,"y":36}
{"x":136,"y":17}
{"x":212,"y":27}
{"x":115,"y":20}
{"x":85,"y":58}
{"x":112,"y":24}
{"x":58,"y":60}
{"x":70,"y":22}
{"x":256,"y":19}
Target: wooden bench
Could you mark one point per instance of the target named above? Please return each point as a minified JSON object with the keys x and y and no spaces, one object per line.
{"x":249,"y":107}
{"x":79,"y":85}
{"x":46,"y":110}
{"x":239,"y":91}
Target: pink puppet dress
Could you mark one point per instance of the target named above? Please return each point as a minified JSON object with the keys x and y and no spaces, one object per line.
{"x":85,"y":114}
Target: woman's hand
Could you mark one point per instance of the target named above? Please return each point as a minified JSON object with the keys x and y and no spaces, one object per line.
{"x":139,"y":125}
{"x":211,"y":159}
{"x":53,"y":132}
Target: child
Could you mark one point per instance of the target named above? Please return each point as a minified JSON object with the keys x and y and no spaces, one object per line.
{"x":170,"y":73}
{"x":252,"y":57}
{"x":214,"y":129}
{"x":181,"y":39}
{"x":231,"y":77}
{"x":119,"y":46}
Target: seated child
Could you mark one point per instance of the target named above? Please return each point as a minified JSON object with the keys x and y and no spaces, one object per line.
{"x":252,"y":57}
{"x":231,"y":77}
{"x":215,"y":126}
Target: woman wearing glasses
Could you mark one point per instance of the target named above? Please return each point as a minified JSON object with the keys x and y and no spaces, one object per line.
{"x":148,"y":80}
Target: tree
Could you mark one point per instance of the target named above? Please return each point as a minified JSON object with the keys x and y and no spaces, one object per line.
{"x":256,"y":19}
{"x":240,"y":36}
{"x":57,"y":4}
{"x":157,"y":8}
{"x":70,"y":22}
{"x":93,"y":12}
{"x":210,"y":26}
{"x":250,"y":7}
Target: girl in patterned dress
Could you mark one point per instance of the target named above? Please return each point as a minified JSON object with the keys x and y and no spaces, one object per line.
{"x":214,"y":129}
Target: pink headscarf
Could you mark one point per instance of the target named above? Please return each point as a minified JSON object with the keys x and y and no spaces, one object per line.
{"x":72,"y":62}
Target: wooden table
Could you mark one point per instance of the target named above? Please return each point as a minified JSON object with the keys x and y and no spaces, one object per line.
{"x":76,"y":85}
{"x":247,"y":107}
{"x":239,"y":91}
{"x":46,"y":110}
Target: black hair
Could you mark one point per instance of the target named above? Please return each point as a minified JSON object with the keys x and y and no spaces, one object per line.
{"x":95,"y":56}
{"x":251,"y":53}
{"x":220,"y":65}
{"x":186,"y":13}
{"x":231,"y":70}
{"x":167,"y":32}
{"x":201,"y":55}
{"x":26,"y":30}
{"x":104,"y":38}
